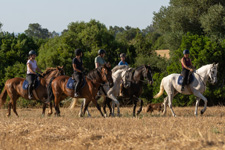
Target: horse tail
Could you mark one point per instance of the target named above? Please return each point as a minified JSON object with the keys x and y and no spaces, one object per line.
{"x":73,"y":103}
{"x":3,"y":97}
{"x":160,"y":91}
{"x":49,"y":90}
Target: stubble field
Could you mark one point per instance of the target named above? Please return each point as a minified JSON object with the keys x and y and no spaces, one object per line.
{"x":32,"y":131}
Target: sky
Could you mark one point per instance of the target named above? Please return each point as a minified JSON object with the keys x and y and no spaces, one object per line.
{"x":55,"y":15}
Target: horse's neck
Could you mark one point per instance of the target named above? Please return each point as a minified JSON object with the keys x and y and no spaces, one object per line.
{"x":203,"y":72}
{"x":137,"y":76}
{"x":49,"y":76}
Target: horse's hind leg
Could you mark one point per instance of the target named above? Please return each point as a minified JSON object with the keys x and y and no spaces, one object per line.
{"x":57,"y":100}
{"x":14,"y":107}
{"x":170,"y":98}
{"x":9,"y":109}
{"x":165,"y":105}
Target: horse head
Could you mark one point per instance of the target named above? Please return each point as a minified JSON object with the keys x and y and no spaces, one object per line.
{"x":106,"y":74}
{"x":53,"y":72}
{"x":213,"y":73}
{"x":148,"y":74}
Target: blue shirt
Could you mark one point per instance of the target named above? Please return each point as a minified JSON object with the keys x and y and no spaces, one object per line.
{"x":122,"y":63}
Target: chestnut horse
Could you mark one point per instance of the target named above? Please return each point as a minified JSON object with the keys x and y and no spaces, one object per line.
{"x":14,"y":89}
{"x":58,"y":90}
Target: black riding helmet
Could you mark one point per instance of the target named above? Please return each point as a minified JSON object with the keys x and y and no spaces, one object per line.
{"x":32,"y":52}
{"x":101,"y":51}
{"x":122,"y":55}
{"x":78,"y":52}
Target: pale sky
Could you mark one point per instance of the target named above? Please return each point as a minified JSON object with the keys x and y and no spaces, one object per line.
{"x":16,"y":15}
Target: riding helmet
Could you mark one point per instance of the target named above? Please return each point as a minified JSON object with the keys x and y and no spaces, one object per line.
{"x":101,"y":51}
{"x":32,"y":52}
{"x":122,"y":55}
{"x":78,"y":52}
{"x":186,"y":51}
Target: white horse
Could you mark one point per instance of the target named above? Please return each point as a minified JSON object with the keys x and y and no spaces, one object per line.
{"x":112,"y":93}
{"x":197,"y":87}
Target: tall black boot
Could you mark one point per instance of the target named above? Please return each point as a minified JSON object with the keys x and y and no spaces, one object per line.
{"x":30,"y":95}
{"x":76,"y":89}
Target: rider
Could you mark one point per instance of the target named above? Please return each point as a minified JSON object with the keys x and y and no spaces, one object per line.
{"x":99,"y":60}
{"x":31,"y":72}
{"x":186,"y":67}
{"x":122,"y":62}
{"x":123,"y":57}
{"x":78,"y":71}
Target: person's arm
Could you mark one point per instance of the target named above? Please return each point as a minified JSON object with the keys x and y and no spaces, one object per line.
{"x":96,"y":62}
{"x":30,"y":68}
{"x":183,"y":63}
{"x":75,"y":68}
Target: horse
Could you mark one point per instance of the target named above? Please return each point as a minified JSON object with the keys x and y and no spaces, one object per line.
{"x":94,"y":79}
{"x":196,"y":87}
{"x":14,"y":89}
{"x":109,"y":94}
{"x":133,"y":80}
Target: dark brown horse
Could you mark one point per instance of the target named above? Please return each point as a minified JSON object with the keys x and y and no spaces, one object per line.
{"x":14,"y":89}
{"x":94,"y":79}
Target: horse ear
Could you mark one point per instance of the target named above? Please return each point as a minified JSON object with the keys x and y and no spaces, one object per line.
{"x":217,"y":64}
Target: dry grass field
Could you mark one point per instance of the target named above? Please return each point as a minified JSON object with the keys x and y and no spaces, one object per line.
{"x":148,"y":131}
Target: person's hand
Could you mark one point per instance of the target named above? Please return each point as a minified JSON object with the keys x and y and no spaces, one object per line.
{"x":191,"y":70}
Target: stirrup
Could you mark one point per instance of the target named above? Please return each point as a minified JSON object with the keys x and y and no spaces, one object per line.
{"x":76,"y":95}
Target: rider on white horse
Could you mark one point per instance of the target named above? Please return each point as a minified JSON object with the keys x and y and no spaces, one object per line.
{"x":187,"y":67}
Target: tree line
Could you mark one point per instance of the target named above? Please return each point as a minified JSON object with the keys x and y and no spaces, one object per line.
{"x":194,"y":25}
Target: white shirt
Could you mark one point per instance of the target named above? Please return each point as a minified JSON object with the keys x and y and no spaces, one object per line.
{"x":33,"y":65}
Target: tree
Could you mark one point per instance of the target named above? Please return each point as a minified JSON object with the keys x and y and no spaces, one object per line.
{"x":1,"y":26}
{"x":36,"y":31}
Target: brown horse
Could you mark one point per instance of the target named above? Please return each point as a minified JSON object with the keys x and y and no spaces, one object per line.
{"x":14,"y":89}
{"x":94,"y":80}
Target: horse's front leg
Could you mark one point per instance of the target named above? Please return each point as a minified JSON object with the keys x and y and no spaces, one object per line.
{"x":85,"y":107}
{"x":135,"y":105}
{"x":200,"y":96}
{"x":98,"y":106}
{"x":140,"y":109}
{"x":43,"y":109}
{"x":196,"y":106}
{"x":50,"y":109}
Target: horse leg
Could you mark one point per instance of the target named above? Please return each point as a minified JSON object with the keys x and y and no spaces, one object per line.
{"x":109,"y":106}
{"x":14,"y":107}
{"x":43,"y":109}
{"x":57,"y":111}
{"x":140,"y":109}
{"x":84,"y":109}
{"x":83,"y":104}
{"x":98,"y":106}
{"x":9,"y":109}
{"x":165,"y":105}
{"x":200,"y":96}
{"x":115,"y":101}
{"x":170,"y":98}
{"x":196,"y":106}
{"x":81,"y":107}
{"x":135,"y":105}
{"x":50,"y":111}
{"x":104,"y":106}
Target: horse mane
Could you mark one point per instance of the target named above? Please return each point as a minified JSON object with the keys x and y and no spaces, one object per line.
{"x":140,"y":67}
{"x":48,"y":70}
{"x":93,"y":74}
{"x":119,"y":67}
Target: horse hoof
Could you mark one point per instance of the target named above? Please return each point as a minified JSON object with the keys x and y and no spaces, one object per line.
{"x":202,"y":112}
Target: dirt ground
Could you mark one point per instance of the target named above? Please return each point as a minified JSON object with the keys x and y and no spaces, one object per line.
{"x":148,"y":131}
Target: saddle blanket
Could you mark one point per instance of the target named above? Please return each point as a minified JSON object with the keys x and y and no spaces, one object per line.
{"x":180,"y":79}
{"x":36,"y":84}
{"x":70,"y":83}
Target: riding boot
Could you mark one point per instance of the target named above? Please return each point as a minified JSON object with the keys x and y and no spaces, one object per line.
{"x":30,"y":95}
{"x":76,"y":89}
{"x":121,"y":90}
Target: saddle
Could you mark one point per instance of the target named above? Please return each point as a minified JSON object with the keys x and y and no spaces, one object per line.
{"x":71,"y":81}
{"x":189,"y":80}
{"x":35,"y":85}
